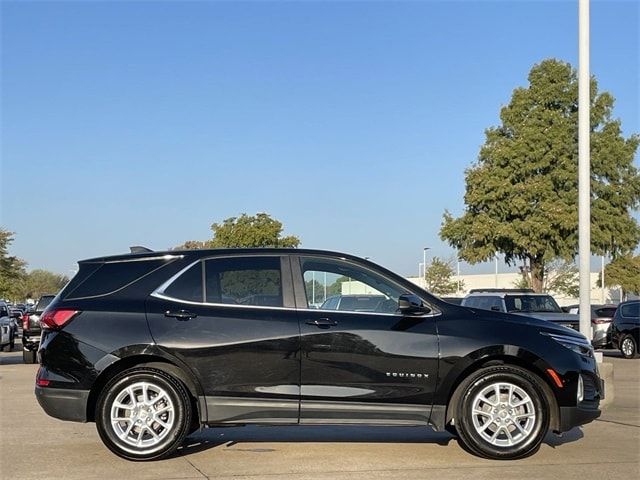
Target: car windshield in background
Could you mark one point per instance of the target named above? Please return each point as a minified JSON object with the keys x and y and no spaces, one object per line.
{"x":531,"y":303}
{"x":44,"y":303}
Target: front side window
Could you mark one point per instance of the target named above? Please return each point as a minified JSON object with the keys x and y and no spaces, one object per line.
{"x":339,"y":285}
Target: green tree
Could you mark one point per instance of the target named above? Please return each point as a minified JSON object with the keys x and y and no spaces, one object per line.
{"x":39,"y":282}
{"x":251,"y":231}
{"x":245,"y":231}
{"x":438,"y":279}
{"x":521,"y":194}
{"x":623,"y":272}
{"x":12,"y":269}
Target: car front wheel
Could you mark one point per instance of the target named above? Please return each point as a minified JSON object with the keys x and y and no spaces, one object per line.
{"x":628,"y":347}
{"x":143,"y":414}
{"x":502,"y":413}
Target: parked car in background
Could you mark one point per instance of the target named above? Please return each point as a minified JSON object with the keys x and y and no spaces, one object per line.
{"x":8,"y":319}
{"x":7,"y":336}
{"x":31,"y":329}
{"x":601,"y":320}
{"x":625,"y":329}
{"x":356,"y":303}
{"x":523,"y":302}
{"x":151,"y":346}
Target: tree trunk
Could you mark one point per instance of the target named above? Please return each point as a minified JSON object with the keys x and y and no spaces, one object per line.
{"x":537,"y":274}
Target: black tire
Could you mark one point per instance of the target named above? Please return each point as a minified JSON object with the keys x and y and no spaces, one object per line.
{"x":29,"y":356}
{"x":629,"y":347}
{"x":171,"y":438}
{"x":535,"y":427}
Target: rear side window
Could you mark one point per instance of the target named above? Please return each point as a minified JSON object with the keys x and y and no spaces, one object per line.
{"x":631,"y":310}
{"x":110,"y":277}
{"x":244,"y":281}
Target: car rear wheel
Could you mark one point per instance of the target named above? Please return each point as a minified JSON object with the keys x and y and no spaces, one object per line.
{"x":28,"y":356}
{"x":502,"y":413}
{"x":143,"y":414}
{"x":628,"y":347}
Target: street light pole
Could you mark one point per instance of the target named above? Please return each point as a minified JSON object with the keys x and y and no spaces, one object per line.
{"x":584,"y":168}
{"x":602,"y":294}
{"x":495,"y":257}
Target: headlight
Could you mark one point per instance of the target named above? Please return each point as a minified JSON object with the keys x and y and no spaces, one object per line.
{"x":579,"y":345}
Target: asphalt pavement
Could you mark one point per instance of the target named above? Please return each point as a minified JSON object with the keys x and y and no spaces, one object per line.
{"x":35,"y":446}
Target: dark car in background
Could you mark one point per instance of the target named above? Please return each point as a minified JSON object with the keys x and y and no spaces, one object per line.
{"x":625,"y":330}
{"x":31,"y":329}
{"x":152,"y":346}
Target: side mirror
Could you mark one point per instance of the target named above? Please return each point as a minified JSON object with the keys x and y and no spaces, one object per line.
{"x":411,"y":304}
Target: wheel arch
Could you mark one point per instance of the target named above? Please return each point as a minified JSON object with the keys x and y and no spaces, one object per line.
{"x":476,"y":362}
{"x":151,"y":361}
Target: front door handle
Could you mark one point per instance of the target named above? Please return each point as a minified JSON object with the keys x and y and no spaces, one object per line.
{"x":182,"y":315}
{"x":322,"y":322}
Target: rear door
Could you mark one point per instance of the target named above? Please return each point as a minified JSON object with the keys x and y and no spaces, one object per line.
{"x":232,"y":321}
{"x":372,"y":366}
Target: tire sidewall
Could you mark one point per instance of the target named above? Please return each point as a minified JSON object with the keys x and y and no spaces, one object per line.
{"x":177,"y":395}
{"x":517,"y":377}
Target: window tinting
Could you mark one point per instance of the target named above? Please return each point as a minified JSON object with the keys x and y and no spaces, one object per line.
{"x":244,"y":281}
{"x":112,"y":276}
{"x":607,"y":312}
{"x":631,"y":310}
{"x":187,"y":286}
{"x":531,"y":303}
{"x":44,"y":303}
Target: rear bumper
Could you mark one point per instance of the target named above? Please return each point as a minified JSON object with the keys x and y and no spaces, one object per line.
{"x":63,"y":403}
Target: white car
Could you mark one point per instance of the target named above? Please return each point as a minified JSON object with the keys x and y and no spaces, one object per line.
{"x":7,"y":336}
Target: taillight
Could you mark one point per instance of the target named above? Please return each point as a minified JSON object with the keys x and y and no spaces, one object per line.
{"x":41,"y":382}
{"x":600,"y":321}
{"x":56,"y":318}
{"x":25,"y":321}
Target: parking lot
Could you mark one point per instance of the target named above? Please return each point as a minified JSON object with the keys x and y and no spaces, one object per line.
{"x":33,"y":445}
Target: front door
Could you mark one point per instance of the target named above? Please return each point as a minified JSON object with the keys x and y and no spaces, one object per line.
{"x":362,"y":361}
{"x":231,"y":320}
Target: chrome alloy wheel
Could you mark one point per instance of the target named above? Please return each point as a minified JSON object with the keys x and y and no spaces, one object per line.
{"x":627,"y":347}
{"x":142,"y":415}
{"x":503,"y":414}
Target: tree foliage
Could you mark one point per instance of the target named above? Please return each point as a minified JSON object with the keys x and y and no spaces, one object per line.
{"x":40,"y":282}
{"x":438,"y":278}
{"x":12,"y":268}
{"x":245,"y":231}
{"x":521,"y":195}
{"x":623,"y":272}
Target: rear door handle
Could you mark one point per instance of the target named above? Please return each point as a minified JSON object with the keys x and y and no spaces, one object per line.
{"x":322,"y":322}
{"x":180,"y":314}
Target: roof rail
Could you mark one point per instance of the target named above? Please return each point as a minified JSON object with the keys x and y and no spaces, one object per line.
{"x":502,"y":290}
{"x":140,"y":249}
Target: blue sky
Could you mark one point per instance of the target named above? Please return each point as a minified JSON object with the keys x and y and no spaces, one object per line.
{"x":351,"y":122}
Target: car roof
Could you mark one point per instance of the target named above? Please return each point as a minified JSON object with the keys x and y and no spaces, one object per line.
{"x":210,"y":252}
{"x":504,"y":293}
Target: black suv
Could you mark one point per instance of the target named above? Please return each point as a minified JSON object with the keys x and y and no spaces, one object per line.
{"x":625,"y":330}
{"x":151,"y":346}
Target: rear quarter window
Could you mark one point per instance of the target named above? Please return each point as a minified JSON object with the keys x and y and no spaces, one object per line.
{"x":111,"y":277}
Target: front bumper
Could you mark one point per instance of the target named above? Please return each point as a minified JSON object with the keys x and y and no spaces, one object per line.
{"x":571,"y":417}
{"x":63,"y":403}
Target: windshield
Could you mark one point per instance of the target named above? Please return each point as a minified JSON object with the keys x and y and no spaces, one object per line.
{"x":531,"y":303}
